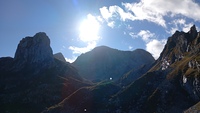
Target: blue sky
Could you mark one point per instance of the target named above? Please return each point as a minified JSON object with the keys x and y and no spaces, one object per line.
{"x":77,"y":26}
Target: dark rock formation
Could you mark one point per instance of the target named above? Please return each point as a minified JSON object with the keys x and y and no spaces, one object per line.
{"x":34,"y":50}
{"x":34,"y":79}
{"x":59,"y":56}
{"x":103,"y":63}
{"x":171,"y":85}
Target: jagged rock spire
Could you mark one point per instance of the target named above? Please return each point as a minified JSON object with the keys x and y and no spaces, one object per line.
{"x":193,"y":33}
{"x":193,"y":28}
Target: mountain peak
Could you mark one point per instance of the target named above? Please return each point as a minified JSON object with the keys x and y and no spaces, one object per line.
{"x":34,"y":50}
{"x":59,"y":56}
{"x":193,"y":28}
{"x":193,"y":33}
{"x":103,"y":62}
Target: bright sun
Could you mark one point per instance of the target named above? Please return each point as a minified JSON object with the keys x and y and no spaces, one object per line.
{"x":89,"y":29}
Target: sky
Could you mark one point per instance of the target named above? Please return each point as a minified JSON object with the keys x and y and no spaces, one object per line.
{"x":77,"y":26}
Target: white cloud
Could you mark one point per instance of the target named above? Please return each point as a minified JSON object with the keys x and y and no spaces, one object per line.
{"x":172,"y":30}
{"x":79,"y":50}
{"x":186,"y":27}
{"x":113,"y":12}
{"x":100,"y":19}
{"x":106,"y":14}
{"x":181,"y":25}
{"x":153,"y":10}
{"x":123,"y":15}
{"x":142,"y":11}
{"x":129,"y":27}
{"x":133,"y":35}
{"x":71,"y":60}
{"x":111,"y":24}
{"x":155,"y":47}
{"x":146,"y":35}
{"x":130,"y":47}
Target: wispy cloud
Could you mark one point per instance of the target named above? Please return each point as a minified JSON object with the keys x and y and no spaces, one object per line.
{"x":110,"y":14}
{"x":71,"y":60}
{"x":179,"y":24}
{"x":146,"y":35}
{"x":106,"y":14}
{"x":152,"y":11}
{"x":133,"y":35}
{"x":155,"y":47}
{"x":130,"y":47}
{"x":129,"y":27}
{"x":79,"y":50}
{"x":155,"y":11}
{"x":142,"y":11}
{"x":111,"y":24}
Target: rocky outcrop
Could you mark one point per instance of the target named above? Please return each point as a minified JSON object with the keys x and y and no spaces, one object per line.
{"x":193,"y":109}
{"x":34,"y":79}
{"x":180,"y":43}
{"x":179,"y":87}
{"x":34,"y":51}
{"x":103,"y":63}
{"x":60,"y":57}
{"x":171,"y":85}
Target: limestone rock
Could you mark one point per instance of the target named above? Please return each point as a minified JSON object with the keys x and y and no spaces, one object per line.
{"x":35,"y":51}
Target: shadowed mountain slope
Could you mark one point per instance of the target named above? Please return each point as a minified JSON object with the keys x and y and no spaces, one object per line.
{"x":170,"y":86}
{"x":103,"y":63}
{"x":34,"y":79}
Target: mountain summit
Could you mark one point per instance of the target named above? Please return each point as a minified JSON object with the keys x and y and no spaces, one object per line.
{"x":35,"y":50}
{"x":103,"y":63}
{"x":180,"y":43}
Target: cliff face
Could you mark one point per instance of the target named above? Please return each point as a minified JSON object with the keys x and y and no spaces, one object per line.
{"x":34,"y":50}
{"x":179,"y":44}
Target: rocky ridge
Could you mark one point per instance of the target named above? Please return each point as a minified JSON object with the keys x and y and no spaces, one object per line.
{"x":34,"y":79}
{"x":103,"y":63}
{"x":170,"y":85}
